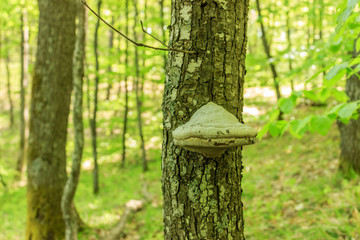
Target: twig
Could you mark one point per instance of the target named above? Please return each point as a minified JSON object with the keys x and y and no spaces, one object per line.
{"x":129,"y":39}
{"x":142,"y":26}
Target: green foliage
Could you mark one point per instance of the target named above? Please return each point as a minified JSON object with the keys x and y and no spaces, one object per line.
{"x":344,"y":10}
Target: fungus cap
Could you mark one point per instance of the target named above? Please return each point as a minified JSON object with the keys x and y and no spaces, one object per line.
{"x":212,"y":130}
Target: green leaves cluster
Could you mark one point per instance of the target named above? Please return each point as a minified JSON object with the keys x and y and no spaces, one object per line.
{"x":313,"y":123}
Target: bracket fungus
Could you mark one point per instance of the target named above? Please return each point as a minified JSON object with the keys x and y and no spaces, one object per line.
{"x":212,"y":130}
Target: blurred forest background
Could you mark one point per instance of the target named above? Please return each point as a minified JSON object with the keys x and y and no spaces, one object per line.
{"x":300,"y":55}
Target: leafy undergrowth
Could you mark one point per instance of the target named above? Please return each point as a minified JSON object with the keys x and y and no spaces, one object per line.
{"x":291,"y":188}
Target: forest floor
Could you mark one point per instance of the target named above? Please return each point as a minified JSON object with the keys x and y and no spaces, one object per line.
{"x":291,"y":187}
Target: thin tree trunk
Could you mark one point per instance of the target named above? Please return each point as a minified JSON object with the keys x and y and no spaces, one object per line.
{"x":308,"y":24}
{"x":8,"y":77}
{"x":93,"y":119}
{"x":321,"y":17}
{"x":268,"y":54}
{"x":202,"y":196}
{"x":162,"y":23}
{"x":50,"y":101}
{"x":23,"y":83}
{"x":349,"y":133}
{"x":126,"y":107}
{"x":142,"y":78}
{"x":70,"y":217}
{"x":111,"y":45}
{"x":288,"y":35}
{"x":137,"y":93}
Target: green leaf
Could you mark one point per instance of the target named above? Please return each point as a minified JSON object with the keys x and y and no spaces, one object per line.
{"x":335,"y":70}
{"x":274,"y":115}
{"x":324,"y":94}
{"x":310,"y":95}
{"x":282,"y":125}
{"x":274,"y":130}
{"x":340,"y":96}
{"x":336,"y":108}
{"x":263,"y":131}
{"x":318,"y":73}
{"x":286,"y":105}
{"x":347,"y":110}
{"x":333,"y":81}
{"x":345,"y":13}
{"x":299,"y":127}
{"x":321,"y":124}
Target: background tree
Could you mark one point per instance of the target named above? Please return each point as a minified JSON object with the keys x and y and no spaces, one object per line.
{"x":67,"y":205}
{"x":202,"y":196}
{"x":137,"y":90}
{"x":350,"y":132}
{"x":94,"y":113}
{"x":50,"y":100}
{"x":24,"y":56}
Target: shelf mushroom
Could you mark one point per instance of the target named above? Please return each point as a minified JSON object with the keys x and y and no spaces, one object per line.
{"x":212,"y":130}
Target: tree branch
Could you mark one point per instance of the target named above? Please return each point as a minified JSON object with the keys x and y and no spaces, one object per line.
{"x":132,"y":41}
{"x":142,"y":26}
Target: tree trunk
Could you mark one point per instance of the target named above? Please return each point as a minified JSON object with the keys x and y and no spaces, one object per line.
{"x":268,"y":54}
{"x":162,"y":23}
{"x":50,"y":100}
{"x":288,"y":36}
{"x":202,"y":196}
{"x":8,"y":77}
{"x":126,"y":108}
{"x":142,"y":77}
{"x":93,"y":119}
{"x":350,"y":133}
{"x":23,"y":83}
{"x":137,"y":94}
{"x":111,"y":45}
{"x":70,"y":217}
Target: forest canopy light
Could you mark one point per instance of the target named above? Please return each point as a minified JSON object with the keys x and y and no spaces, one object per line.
{"x":212,"y":130}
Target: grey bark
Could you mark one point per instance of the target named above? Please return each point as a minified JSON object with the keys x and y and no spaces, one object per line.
{"x":50,"y":100}
{"x":126,"y":107}
{"x":137,"y":94}
{"x":350,"y":133}
{"x":24,"y":58}
{"x":202,"y":196}
{"x":70,"y":217}
{"x":93,"y":119}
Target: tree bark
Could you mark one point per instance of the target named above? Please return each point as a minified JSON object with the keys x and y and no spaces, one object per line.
{"x":23,"y":83}
{"x":70,"y":217}
{"x":350,"y":133}
{"x":93,"y":119}
{"x":137,"y":94}
{"x":126,"y":107}
{"x":202,"y":196}
{"x":50,"y":100}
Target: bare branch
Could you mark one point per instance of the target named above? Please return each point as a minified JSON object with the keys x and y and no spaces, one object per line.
{"x":132,"y":41}
{"x":142,"y":26}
